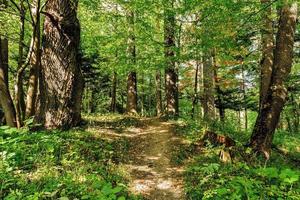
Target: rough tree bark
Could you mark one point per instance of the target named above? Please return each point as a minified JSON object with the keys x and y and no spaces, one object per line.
{"x":159,"y":106}
{"x":132,"y":97}
{"x":267,"y":50}
{"x":172,"y":109}
{"x":35,"y":61}
{"x":6,"y":101}
{"x":208,"y":84}
{"x":62,"y":81}
{"x":272,"y":105}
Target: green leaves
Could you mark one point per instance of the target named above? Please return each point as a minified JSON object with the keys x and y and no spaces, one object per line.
{"x":289,"y":176}
{"x":240,"y":181}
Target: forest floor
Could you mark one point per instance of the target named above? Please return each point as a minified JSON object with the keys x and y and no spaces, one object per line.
{"x":149,"y":164}
{"x":120,"y":157}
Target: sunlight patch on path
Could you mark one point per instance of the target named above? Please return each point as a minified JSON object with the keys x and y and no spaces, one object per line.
{"x":150,"y":167}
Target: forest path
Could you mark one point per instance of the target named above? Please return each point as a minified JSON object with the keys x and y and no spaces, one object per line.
{"x":150,"y":156}
{"x":150,"y":162}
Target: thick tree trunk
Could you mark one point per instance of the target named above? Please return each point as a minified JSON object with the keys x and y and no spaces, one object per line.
{"x":272,"y":105}
{"x":170,"y":72}
{"x":208,"y":84}
{"x":61,"y":77}
{"x":132,"y":98}
{"x":159,"y":105}
{"x":35,"y":61}
{"x":113,"y":105}
{"x":6,"y":101}
{"x":267,"y":50}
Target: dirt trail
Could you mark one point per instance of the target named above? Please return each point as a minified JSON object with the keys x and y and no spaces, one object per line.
{"x":152,"y":144}
{"x":152,"y":173}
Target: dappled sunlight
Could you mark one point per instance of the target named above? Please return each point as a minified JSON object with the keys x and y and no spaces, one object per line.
{"x":152,"y":143}
{"x":151,"y":170}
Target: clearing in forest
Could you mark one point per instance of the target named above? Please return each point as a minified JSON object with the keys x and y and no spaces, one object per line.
{"x":149,"y":163}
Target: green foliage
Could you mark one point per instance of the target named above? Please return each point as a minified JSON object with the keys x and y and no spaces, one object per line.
{"x":59,"y":165}
{"x":206,"y":177}
{"x":208,"y":180}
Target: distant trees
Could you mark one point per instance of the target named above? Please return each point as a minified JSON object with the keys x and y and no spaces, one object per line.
{"x":159,"y":52}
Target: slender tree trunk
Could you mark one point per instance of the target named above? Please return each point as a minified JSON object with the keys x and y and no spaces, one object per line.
{"x":208,"y":84}
{"x":19,"y":90}
{"x":170,"y":72}
{"x":6,"y":101}
{"x":132,"y":98}
{"x":219,"y":92}
{"x":195,"y":97}
{"x":142,"y":95}
{"x":245,"y":114}
{"x":61,"y":77}
{"x":132,"y":93}
{"x":35,"y":61}
{"x":272,"y":105}
{"x":113,"y":105}
{"x":158,"y":93}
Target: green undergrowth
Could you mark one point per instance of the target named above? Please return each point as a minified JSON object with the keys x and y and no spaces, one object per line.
{"x":63,"y":165}
{"x":246,"y":176}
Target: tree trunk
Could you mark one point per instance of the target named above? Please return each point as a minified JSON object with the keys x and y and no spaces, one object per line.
{"x":170,"y":72}
{"x":19,"y":90}
{"x":158,"y":93}
{"x":61,"y":77}
{"x":195,"y":97}
{"x":132,"y":99}
{"x":113,"y":105}
{"x":6,"y":101}
{"x":142,"y":95}
{"x":35,"y":61}
{"x":132,"y":93}
{"x":244,"y":90}
{"x":267,"y":50}
{"x":272,"y":105}
{"x":208,"y":84}
{"x":220,"y":101}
